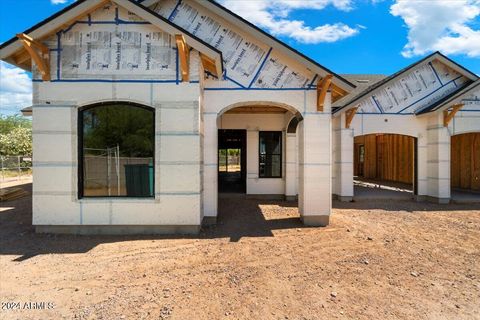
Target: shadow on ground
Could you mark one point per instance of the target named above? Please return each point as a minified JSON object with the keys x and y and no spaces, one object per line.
{"x":238,"y":217}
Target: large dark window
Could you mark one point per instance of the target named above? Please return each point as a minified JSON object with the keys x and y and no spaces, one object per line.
{"x":116,"y":151}
{"x":270,"y":154}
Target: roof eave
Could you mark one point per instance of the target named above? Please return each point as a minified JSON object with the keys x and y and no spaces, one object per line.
{"x":47,"y":26}
{"x":81,"y":7}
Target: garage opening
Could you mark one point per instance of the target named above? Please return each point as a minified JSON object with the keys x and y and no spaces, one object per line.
{"x":232,"y":158}
{"x":384,"y":166}
{"x":465,"y":167}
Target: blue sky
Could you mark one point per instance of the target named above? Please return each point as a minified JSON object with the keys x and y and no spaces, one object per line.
{"x":347,"y":36}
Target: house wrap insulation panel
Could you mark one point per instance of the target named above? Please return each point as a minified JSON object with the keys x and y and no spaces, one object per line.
{"x":248,"y":62}
{"x":112,"y":43}
{"x":472,"y":100}
{"x":415,"y":90}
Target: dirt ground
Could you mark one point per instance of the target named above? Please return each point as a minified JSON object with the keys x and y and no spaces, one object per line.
{"x":377,"y":260}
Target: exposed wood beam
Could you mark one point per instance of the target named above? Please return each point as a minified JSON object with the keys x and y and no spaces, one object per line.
{"x":209,"y":64}
{"x":349,"y":115}
{"x":322,"y":87}
{"x":338,"y":90}
{"x":449,"y":115}
{"x":184,"y":56}
{"x":39,"y":53}
{"x":337,"y":93}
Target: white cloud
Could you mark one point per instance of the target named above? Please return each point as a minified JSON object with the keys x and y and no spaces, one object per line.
{"x":441,"y":25}
{"x":15,"y":89}
{"x":58,"y":1}
{"x":272,"y":15}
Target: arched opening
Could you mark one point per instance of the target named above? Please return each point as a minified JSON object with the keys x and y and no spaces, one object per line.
{"x":293,"y":124}
{"x":465,"y":167}
{"x":384,"y":166}
{"x":116,"y":150}
{"x":252,"y":148}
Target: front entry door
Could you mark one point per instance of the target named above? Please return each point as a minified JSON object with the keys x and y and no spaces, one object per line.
{"x":232,"y":161}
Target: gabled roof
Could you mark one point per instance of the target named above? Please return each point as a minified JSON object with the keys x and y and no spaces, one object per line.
{"x":275,"y":43}
{"x":81,"y":7}
{"x":139,"y":7}
{"x":454,"y":98}
{"x":436,"y":55}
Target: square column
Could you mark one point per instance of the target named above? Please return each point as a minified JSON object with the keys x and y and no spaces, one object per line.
{"x":343,"y":160}
{"x":210,"y":169}
{"x":422,"y":167}
{"x":438,"y":162}
{"x":315,"y":185}
{"x":291,"y":166}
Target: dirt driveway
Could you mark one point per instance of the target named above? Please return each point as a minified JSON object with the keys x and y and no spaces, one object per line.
{"x":377,"y":260}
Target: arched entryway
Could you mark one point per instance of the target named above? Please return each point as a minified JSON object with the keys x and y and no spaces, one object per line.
{"x":384,"y":166}
{"x":465,"y":167}
{"x":253,"y":146}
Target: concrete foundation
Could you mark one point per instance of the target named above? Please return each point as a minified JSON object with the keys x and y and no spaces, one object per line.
{"x":315,"y":221}
{"x":291,"y":198}
{"x":209,"y":221}
{"x":438,"y":200}
{"x":118,"y":230}
{"x":344,"y":198}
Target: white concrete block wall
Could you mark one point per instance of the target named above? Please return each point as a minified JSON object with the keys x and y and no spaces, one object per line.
{"x":438,"y":163}
{"x":315,"y":165}
{"x":342,"y":156}
{"x":291,"y":165}
{"x":178,"y":160}
{"x":210,"y":166}
{"x":465,"y":122}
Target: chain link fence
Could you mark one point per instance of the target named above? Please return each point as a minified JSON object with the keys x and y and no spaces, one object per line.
{"x":14,"y":168}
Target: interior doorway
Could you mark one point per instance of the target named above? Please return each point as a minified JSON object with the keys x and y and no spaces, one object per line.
{"x":232,"y":161}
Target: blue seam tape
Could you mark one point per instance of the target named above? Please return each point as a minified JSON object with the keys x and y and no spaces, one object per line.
{"x":261,"y":67}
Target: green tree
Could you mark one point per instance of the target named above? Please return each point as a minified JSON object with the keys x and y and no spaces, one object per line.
{"x":15,"y":135}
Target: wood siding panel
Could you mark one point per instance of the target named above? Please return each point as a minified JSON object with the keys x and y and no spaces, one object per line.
{"x":465,"y":161}
{"x":388,"y":157}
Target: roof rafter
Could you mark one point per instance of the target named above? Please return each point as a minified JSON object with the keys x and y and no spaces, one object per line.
{"x":39,"y":53}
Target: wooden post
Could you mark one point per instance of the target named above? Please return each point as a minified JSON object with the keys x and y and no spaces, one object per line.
{"x":184,"y":56}
{"x":39,"y":53}
{"x":449,"y":115}
{"x":322,"y":87}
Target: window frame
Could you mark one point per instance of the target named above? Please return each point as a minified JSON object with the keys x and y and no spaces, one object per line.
{"x":275,"y":154}
{"x":80,"y":154}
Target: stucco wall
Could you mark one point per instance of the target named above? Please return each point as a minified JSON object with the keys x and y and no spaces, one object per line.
{"x":178,"y":161}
